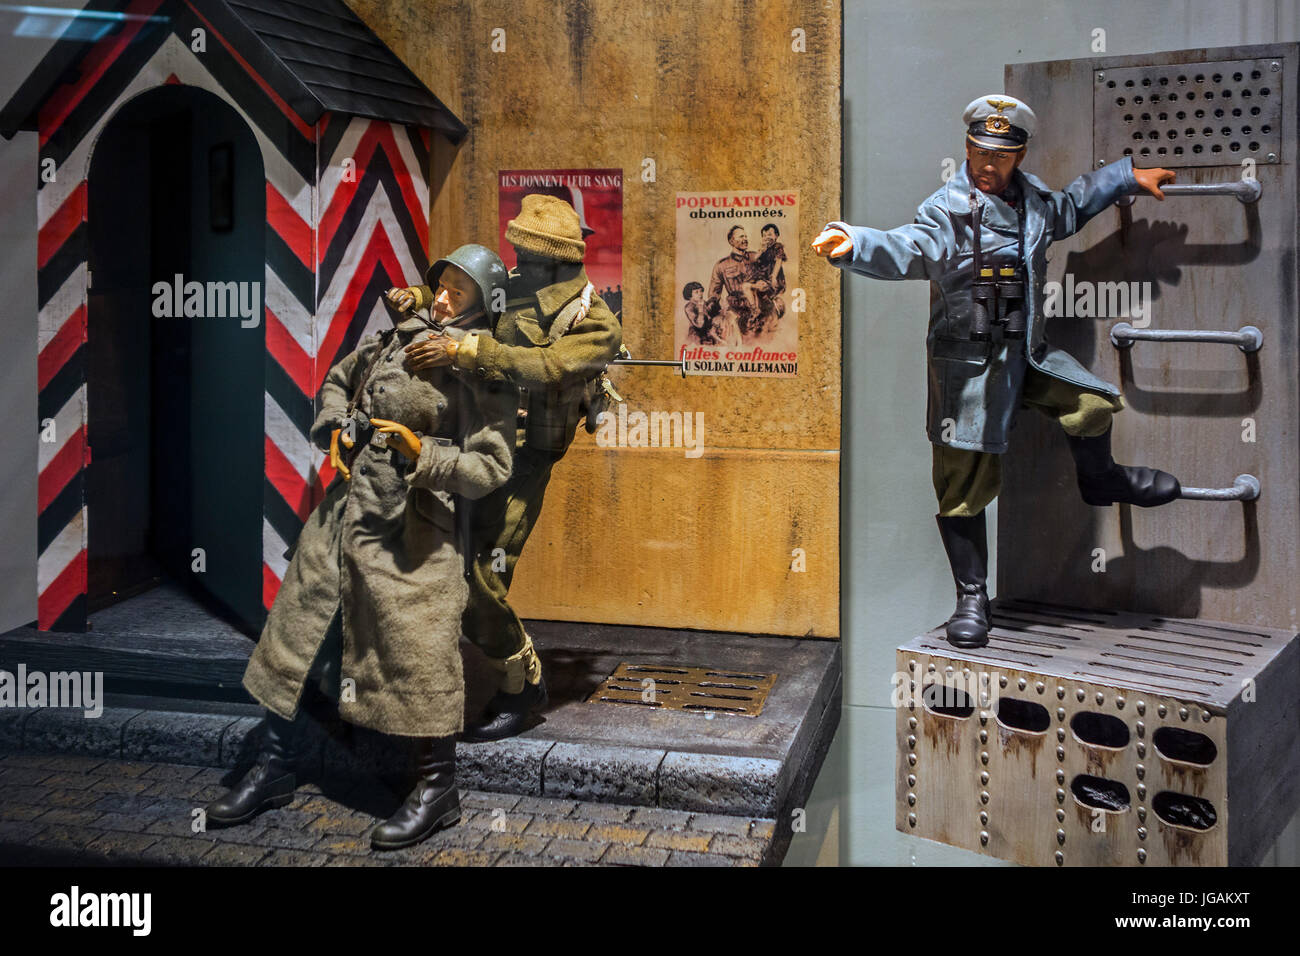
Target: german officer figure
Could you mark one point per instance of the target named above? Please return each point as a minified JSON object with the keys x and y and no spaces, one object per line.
{"x":982,"y":240}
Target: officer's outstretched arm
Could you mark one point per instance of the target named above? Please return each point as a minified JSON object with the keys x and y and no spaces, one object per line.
{"x":483,"y":461}
{"x":920,"y":250}
{"x":573,"y":359}
{"x":1088,"y":195}
{"x":337,"y":390}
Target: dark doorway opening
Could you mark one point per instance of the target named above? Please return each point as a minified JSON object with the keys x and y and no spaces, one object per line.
{"x":175,"y":402}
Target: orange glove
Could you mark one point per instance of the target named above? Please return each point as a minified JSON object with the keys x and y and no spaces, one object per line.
{"x":335,"y":458}
{"x":399,"y":437}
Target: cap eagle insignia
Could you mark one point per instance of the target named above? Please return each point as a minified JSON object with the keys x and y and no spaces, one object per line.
{"x":998,"y":123}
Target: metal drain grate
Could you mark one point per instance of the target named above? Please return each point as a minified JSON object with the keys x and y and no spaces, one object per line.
{"x":708,"y":690}
{"x":1189,"y":114}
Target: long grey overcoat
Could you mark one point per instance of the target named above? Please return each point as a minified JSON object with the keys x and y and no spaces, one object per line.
{"x":978,"y":385}
{"x":383,"y":549}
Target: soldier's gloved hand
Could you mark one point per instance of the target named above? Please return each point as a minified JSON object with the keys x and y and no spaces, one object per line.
{"x":832,"y":243}
{"x":431,"y":352}
{"x":402,"y":299}
{"x":399,"y":437}
{"x":1150,"y":180}
{"x":335,"y":459}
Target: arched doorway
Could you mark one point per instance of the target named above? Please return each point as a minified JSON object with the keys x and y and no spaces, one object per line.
{"x":175,"y":371}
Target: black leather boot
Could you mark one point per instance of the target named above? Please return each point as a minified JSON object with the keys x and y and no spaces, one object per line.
{"x":1103,"y":483}
{"x":270,"y":783}
{"x":507,"y":714}
{"x":966,"y":541}
{"x":433,"y":805}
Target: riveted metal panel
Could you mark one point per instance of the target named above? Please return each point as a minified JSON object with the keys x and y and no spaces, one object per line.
{"x":1204,"y":411}
{"x":1080,"y":737}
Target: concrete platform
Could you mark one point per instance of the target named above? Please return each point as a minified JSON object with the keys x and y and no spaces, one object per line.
{"x":760,"y":766}
{"x":670,"y":758}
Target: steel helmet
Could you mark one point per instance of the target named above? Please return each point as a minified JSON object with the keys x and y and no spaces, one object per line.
{"x":483,"y":266}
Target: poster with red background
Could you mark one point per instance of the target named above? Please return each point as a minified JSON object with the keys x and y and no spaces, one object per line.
{"x":597,"y":195}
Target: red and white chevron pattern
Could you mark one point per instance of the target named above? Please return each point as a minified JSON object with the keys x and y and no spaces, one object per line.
{"x":368,"y":219}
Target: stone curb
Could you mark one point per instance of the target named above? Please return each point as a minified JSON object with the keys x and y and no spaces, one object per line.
{"x":644,"y":777}
{"x":603,"y":774}
{"x":718,"y":783}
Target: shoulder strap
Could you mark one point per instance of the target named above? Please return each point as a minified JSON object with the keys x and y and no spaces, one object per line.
{"x":572,"y":314}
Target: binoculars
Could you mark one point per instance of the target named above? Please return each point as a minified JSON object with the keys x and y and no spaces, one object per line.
{"x":998,"y":298}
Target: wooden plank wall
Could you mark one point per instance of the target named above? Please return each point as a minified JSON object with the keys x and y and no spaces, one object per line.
{"x":713,"y":92}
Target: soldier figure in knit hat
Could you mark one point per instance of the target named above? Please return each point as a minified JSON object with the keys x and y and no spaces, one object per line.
{"x":982,"y":241}
{"x":554,"y":341}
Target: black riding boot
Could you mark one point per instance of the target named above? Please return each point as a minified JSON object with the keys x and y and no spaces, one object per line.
{"x":1103,"y":483}
{"x":507,"y":714}
{"x":433,"y":805}
{"x":966,"y":541}
{"x":270,"y":783}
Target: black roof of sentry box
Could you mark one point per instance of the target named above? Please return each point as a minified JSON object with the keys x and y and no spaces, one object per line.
{"x":315,"y":54}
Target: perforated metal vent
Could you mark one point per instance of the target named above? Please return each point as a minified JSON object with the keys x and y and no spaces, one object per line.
{"x":1189,"y":114}
{"x":672,"y":687}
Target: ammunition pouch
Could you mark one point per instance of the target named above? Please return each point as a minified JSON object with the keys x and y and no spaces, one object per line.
{"x":552,"y":416}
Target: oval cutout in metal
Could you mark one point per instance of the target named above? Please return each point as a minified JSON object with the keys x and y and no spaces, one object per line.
{"x":1100,"y":730}
{"x":1098,"y":793}
{"x":947,"y":700}
{"x":1184,"y":810}
{"x":1184,"y":746}
{"x":1026,"y":716}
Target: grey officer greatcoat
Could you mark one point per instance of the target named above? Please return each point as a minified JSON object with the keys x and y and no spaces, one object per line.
{"x":976,"y":386}
{"x":382,"y":548}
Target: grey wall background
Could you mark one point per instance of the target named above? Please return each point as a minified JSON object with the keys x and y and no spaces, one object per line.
{"x":18,"y":380}
{"x":18,"y":57}
{"x":909,"y":70}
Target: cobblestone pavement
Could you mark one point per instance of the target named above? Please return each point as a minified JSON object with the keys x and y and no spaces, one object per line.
{"x":86,"y":811}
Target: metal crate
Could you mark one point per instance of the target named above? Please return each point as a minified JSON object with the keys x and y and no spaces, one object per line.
{"x":1092,"y":738}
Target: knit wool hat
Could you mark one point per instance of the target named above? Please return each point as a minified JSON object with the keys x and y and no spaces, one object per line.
{"x":547,"y":226}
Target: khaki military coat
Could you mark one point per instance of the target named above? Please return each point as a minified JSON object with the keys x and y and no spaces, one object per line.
{"x":382,"y":548}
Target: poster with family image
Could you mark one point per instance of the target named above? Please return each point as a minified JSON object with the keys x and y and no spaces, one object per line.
{"x":737,"y":266}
